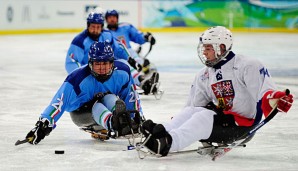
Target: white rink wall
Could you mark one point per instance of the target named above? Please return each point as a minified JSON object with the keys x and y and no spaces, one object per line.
{"x":56,"y":16}
{"x":60,"y":14}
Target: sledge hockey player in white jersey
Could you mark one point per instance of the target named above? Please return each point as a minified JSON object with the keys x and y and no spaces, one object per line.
{"x":125,"y":32}
{"x":100,"y":95}
{"x":227,"y":97}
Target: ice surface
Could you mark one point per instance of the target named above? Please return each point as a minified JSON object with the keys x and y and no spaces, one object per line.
{"x":32,"y":69}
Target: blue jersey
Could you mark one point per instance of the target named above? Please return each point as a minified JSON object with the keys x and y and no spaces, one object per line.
{"x":77,"y":54}
{"x":80,"y":87}
{"x":126,"y":33}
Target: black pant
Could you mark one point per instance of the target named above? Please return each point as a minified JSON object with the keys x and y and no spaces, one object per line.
{"x":226,"y":135}
{"x":224,"y":128}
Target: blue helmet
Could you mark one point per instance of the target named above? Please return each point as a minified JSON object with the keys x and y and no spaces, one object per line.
{"x":112,"y":13}
{"x":101,"y":52}
{"x":96,"y":18}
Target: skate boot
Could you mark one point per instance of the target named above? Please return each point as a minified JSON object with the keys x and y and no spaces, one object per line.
{"x":122,"y":123}
{"x":120,"y":107}
{"x":158,"y":141}
{"x":150,"y":85}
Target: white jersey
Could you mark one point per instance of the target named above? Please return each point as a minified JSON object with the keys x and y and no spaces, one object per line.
{"x":237,"y":86}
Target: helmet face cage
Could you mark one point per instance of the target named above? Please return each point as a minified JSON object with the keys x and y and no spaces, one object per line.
{"x":101,"y":52}
{"x":203,"y":58}
{"x":215,"y":36}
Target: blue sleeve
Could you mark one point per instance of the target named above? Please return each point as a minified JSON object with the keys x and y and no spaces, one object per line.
{"x":59,"y":103}
{"x":136,"y":36}
{"x":76,"y":53}
{"x":68,"y":97}
{"x":74,"y":58}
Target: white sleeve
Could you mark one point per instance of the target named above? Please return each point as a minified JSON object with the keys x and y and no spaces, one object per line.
{"x":198,"y":92}
{"x":257,"y":79}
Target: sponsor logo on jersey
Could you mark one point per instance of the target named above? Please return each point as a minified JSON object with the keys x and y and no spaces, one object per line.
{"x":218,"y":75}
{"x":264,"y":71}
{"x":204,"y":76}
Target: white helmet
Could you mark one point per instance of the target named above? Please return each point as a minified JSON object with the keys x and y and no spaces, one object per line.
{"x":215,"y":36}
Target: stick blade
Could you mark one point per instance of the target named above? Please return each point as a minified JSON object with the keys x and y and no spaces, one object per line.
{"x":21,"y":142}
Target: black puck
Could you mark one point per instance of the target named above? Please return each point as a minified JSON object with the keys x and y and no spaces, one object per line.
{"x":59,"y":151}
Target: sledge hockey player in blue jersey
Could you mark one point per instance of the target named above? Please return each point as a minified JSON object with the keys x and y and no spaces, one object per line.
{"x":227,"y":99}
{"x":77,"y":54}
{"x":126,"y":33}
{"x":99,"y":96}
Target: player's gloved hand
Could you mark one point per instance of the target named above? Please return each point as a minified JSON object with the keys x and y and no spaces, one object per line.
{"x":42,"y":129}
{"x":99,"y":96}
{"x":149,"y":38}
{"x":282,"y":99}
{"x":146,"y":66}
{"x":134,"y":64}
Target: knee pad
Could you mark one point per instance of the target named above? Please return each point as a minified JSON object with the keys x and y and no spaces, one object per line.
{"x":109,"y":101}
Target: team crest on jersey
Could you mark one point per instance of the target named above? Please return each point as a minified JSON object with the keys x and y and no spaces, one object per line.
{"x":224,"y":92}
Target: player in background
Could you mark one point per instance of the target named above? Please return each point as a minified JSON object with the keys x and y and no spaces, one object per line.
{"x":98,"y":95}
{"x":229,"y":95}
{"x":126,"y":33}
{"x":77,"y":54}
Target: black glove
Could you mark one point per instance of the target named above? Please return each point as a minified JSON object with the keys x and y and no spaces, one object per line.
{"x":96,"y":98}
{"x":99,"y":96}
{"x":134,"y":64}
{"x":149,"y":38}
{"x":225,"y":120}
{"x":42,"y":129}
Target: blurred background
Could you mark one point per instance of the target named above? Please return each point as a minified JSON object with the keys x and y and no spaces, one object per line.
{"x":56,"y":16}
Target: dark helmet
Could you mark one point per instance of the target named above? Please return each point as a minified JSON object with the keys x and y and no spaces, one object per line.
{"x":112,"y":13}
{"x":101,"y":52}
{"x":96,"y":18}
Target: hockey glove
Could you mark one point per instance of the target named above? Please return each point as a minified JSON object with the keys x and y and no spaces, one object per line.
{"x":149,"y":38}
{"x":146,"y":66}
{"x":134,"y":64}
{"x":147,"y":127}
{"x":99,"y":96}
{"x":280,"y":99}
{"x":42,"y":129}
